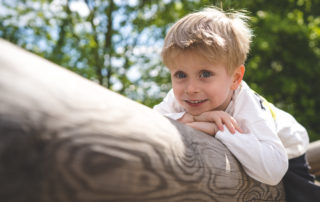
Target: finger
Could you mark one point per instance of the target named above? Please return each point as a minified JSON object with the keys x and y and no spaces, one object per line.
{"x":206,"y":127}
{"x":225,"y":119}
{"x":230,"y":123}
{"x":213,"y":116}
{"x":218,"y":121}
{"x":206,"y":117}
{"x":238,"y":129}
{"x":186,"y":118}
{"x":230,"y":126}
{"x":236,"y":125}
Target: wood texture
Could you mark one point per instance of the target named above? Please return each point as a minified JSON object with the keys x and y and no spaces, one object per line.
{"x":63,"y":138}
{"x":313,"y":156}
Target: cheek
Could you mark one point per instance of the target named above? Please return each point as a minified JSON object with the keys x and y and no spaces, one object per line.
{"x":218,"y":93}
{"x":177,"y":89}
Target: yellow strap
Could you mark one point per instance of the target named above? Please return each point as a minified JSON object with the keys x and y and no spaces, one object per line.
{"x":267,"y":104}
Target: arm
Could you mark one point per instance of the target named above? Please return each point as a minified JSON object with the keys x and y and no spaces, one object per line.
{"x":264,"y":160}
{"x":207,"y":122}
{"x":256,"y":153}
{"x":292,"y":134}
{"x":259,"y":149}
{"x":211,"y":122}
{"x":170,"y":108}
{"x":216,"y":120}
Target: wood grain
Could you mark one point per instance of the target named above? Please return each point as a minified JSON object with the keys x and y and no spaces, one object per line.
{"x":313,"y":156}
{"x":64,"y":138}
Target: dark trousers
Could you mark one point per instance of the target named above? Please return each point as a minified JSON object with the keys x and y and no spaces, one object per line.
{"x":299,"y":183}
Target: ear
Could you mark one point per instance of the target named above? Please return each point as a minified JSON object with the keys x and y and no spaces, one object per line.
{"x":237,"y":77}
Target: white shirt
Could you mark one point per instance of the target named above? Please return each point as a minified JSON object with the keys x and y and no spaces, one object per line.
{"x":270,"y":137}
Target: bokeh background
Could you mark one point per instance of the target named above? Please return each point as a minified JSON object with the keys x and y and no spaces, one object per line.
{"x":117,"y":44}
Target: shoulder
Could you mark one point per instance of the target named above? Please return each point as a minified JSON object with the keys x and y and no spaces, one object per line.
{"x":245,"y":96}
{"x":250,"y":105}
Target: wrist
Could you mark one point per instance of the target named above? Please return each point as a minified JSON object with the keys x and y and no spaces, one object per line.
{"x":186,"y":118}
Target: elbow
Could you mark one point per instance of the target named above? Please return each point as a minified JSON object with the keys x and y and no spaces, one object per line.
{"x":277,"y":173}
{"x":273,"y":181}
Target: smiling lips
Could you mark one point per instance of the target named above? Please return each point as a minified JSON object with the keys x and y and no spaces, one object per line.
{"x":195,"y":102}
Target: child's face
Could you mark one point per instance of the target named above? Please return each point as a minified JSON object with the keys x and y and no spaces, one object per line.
{"x":199,"y":85}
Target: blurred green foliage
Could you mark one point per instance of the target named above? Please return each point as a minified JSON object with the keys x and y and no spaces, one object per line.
{"x":117,"y":44}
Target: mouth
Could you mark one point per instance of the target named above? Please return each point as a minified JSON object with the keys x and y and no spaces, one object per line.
{"x":195,"y":102}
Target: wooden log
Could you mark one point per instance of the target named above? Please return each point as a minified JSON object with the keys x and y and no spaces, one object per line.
{"x":64,"y":138}
{"x":313,"y":156}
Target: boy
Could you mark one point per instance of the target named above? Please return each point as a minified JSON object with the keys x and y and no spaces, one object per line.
{"x":205,"y":53}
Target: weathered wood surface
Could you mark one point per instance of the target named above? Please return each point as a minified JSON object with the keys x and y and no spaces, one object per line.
{"x":63,"y":138}
{"x":313,"y":156}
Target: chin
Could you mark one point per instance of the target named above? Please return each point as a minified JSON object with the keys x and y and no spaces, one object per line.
{"x":197,"y":113}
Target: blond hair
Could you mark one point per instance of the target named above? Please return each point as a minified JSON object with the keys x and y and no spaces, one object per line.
{"x":217,"y":35}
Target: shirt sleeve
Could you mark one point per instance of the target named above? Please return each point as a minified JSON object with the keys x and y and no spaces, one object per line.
{"x":293,"y":135}
{"x":263,"y":160}
{"x":170,"y":107}
{"x":259,"y":149}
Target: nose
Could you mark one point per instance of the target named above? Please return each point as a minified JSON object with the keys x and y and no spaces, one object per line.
{"x":192,"y":87}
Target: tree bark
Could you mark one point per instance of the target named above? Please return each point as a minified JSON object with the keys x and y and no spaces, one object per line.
{"x":64,"y":138}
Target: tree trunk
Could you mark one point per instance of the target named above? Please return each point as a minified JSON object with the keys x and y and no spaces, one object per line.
{"x":64,"y":138}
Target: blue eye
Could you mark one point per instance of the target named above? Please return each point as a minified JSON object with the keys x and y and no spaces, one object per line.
{"x":180,"y":75}
{"x":205,"y":74}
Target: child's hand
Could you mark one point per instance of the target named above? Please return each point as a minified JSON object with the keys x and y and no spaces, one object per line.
{"x":219,"y":118}
{"x":206,"y":127}
{"x":186,"y":118}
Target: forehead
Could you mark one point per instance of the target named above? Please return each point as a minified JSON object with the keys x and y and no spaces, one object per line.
{"x":192,"y":58}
